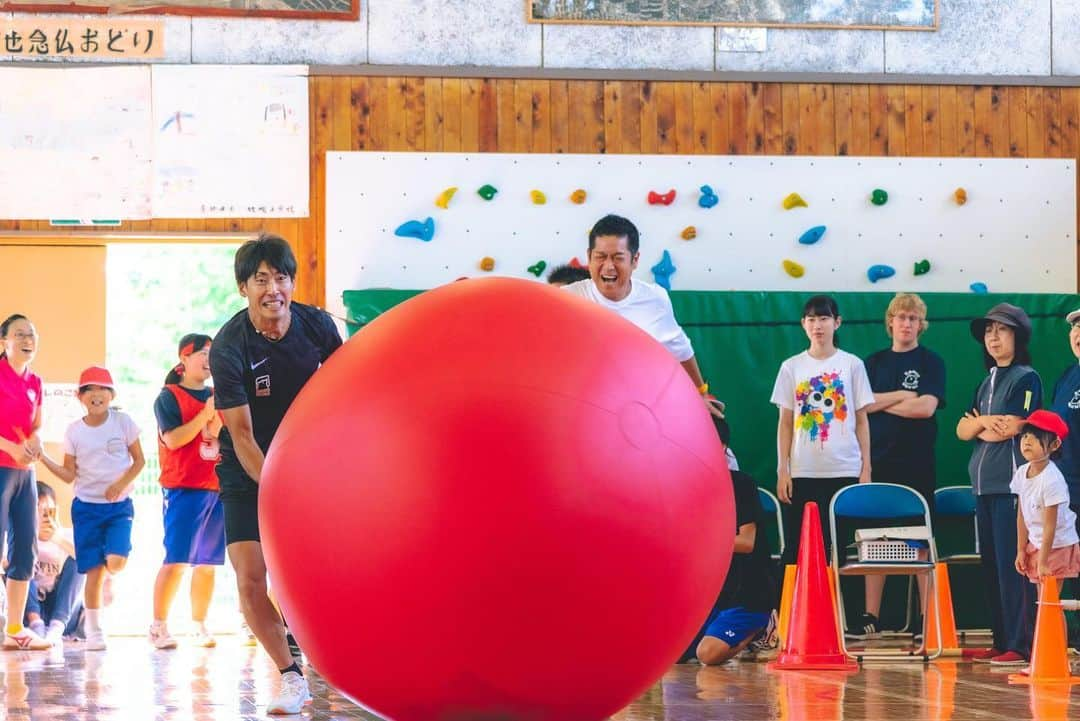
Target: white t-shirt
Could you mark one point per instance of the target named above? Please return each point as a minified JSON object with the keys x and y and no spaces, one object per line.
{"x":101,"y":454}
{"x":648,"y":307}
{"x":51,"y":558}
{"x":823,"y":396}
{"x":1046,"y":489}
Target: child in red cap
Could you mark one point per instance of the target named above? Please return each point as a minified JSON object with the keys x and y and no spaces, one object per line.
{"x":1047,"y":542}
{"x":102,"y":457}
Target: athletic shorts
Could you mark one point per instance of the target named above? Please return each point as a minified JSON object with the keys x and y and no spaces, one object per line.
{"x":240,"y":500}
{"x":100,"y":530}
{"x":194,"y":527}
{"x":730,"y":625}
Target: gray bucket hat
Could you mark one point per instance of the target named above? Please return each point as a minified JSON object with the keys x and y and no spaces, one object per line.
{"x":1006,"y":313}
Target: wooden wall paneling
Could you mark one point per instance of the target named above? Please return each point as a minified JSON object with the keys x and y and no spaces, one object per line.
{"x":842,"y":122}
{"x":631,"y":116}
{"x":507,"y":117}
{"x":773,"y":114}
{"x":703,"y":117}
{"x":826,"y":119}
{"x":488,"y":124}
{"x":649,"y":133}
{"x":984,"y":121}
{"x":433,"y":115}
{"x":897,"y":128}
{"x":664,"y":95}
{"x":879,"y":121}
{"x":1036,"y":122}
{"x":560,"y":115}
{"x":950,"y":120}
{"x":965,"y":121}
{"x":738,"y":109}
{"x":860,"y":120}
{"x":684,"y":117}
{"x":540,"y":105}
{"x":790,"y":119}
{"x":720,"y":131}
{"x":613,"y":114}
{"x":913,"y":120}
{"x":523,"y":121}
{"x":452,"y":114}
{"x":931,"y":120}
{"x":755,"y":118}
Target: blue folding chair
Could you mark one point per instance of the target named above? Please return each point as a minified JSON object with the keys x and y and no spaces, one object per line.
{"x":876,"y":501}
{"x":771,"y":505}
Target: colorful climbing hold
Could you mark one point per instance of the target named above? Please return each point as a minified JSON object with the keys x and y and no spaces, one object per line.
{"x":663,"y":271}
{"x":538,"y":197}
{"x":661,"y":199}
{"x":794,"y":200}
{"x":880,"y":272}
{"x":979,"y":288}
{"x":794,"y":269}
{"x":537,"y":268}
{"x":575,"y":263}
{"x":960,"y":196}
{"x":487,"y":191}
{"x":708,"y":198}
{"x":922,"y":267}
{"x":443,"y":198}
{"x":689,"y":233}
{"x":879,"y":197}
{"x":487,"y":263}
{"x":420,"y":229}
{"x":578,"y":196}
{"x":813,"y":235}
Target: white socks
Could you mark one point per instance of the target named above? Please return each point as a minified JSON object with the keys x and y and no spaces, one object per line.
{"x":93,"y":620}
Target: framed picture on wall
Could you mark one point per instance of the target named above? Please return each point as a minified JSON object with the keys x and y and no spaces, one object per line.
{"x":294,"y":9}
{"x":851,"y":14}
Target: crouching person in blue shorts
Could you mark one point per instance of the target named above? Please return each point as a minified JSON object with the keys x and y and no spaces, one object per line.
{"x":744,"y":616}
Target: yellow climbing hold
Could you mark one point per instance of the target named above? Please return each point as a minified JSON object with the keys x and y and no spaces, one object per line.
{"x":689,"y":233}
{"x":443,"y":199}
{"x":794,"y":269}
{"x":487,"y":263}
{"x":577,"y":197}
{"x":794,"y":200}
{"x":538,"y":197}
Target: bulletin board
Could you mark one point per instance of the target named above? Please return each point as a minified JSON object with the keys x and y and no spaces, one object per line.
{"x":75,"y":143}
{"x":1000,"y":225}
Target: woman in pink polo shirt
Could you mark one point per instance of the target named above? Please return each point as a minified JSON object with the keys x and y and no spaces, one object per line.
{"x":20,"y":418}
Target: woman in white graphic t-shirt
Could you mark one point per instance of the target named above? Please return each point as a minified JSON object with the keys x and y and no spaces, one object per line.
{"x":823,"y":434}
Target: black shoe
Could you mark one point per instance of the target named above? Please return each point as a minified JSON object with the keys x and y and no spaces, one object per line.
{"x":866,"y":630}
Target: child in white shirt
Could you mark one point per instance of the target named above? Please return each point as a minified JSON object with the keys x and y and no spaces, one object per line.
{"x":102,"y":457}
{"x":1047,"y":542}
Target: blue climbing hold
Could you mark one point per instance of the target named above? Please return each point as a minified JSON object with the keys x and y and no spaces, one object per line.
{"x":877,"y":272}
{"x":708,"y":198}
{"x":663,"y":271}
{"x":979,"y":288}
{"x":421,"y":230}
{"x":813,"y":235}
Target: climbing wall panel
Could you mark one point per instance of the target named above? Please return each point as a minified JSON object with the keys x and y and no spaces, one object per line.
{"x":935,"y":224}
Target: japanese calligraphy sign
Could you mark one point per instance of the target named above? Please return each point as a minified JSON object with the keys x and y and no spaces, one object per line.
{"x":114,"y":38}
{"x":293,"y":9}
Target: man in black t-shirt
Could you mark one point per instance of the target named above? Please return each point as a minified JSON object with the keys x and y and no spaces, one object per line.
{"x":908,"y":381}
{"x":260,"y":359}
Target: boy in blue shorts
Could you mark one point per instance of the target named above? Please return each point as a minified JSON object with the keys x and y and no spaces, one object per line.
{"x":102,"y":457}
{"x":743,"y":616}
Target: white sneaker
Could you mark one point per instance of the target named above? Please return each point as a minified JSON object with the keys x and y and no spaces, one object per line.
{"x":203,"y":637}
{"x":95,"y":641}
{"x":160,"y":637}
{"x":26,"y":640}
{"x":292,"y":697}
{"x":55,"y":634}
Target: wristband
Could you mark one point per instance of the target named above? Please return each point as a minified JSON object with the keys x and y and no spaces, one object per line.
{"x":703,"y":389}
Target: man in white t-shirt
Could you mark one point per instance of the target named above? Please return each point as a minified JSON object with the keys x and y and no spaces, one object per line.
{"x":613,"y":257}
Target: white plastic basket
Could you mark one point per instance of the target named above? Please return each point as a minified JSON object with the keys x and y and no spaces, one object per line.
{"x":888,"y":551}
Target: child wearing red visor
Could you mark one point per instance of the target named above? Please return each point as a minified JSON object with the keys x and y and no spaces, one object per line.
{"x":1047,"y":542}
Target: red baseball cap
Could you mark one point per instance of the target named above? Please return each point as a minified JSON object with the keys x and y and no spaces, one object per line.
{"x":1048,"y":421}
{"x":96,"y":376}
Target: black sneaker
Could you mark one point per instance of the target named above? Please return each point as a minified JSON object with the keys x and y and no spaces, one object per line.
{"x":866,"y":630}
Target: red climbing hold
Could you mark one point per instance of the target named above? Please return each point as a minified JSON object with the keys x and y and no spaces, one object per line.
{"x":657,"y":199}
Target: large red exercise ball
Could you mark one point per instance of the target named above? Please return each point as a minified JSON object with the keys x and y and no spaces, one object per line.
{"x":496,"y":501}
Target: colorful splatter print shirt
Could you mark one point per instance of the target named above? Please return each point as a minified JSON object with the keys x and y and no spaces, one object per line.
{"x":823,"y":397}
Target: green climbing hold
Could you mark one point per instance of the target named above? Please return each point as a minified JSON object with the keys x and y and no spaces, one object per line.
{"x":487,"y":191}
{"x":879,"y":197}
{"x":537,"y":268}
{"x":922,"y":267}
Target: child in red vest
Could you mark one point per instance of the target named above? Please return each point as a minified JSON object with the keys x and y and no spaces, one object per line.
{"x":188,"y":427}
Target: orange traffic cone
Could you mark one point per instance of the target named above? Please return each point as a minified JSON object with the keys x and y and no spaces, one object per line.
{"x":1049,"y":651}
{"x":948,"y":642}
{"x":785,"y":602}
{"x":813,"y":633}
